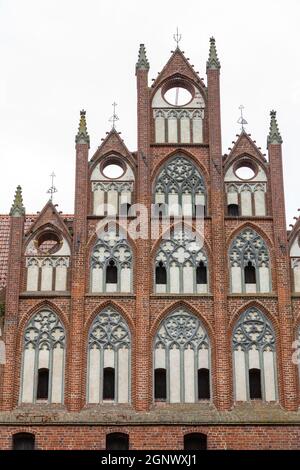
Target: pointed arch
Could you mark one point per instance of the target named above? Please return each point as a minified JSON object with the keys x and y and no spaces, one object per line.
{"x":181,"y":349}
{"x":254,"y":356}
{"x":108,"y":358}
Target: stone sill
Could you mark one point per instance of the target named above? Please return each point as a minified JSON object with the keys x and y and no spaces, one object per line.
{"x":112,"y":217}
{"x":110,"y":294}
{"x":270,"y":295}
{"x":175,"y":295}
{"x":179,"y":145}
{"x":45,"y":294}
{"x":248,"y":217}
{"x":295,"y":295}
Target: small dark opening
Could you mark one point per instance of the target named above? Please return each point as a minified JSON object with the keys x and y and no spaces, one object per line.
{"x":233,"y":210}
{"x":160,"y":209}
{"x":108,"y":383}
{"x":117,"y":441}
{"x":195,"y":441}
{"x":203,"y":384}
{"x":23,"y":441}
{"x":125,"y":209}
{"x":255,"y":384}
{"x":250,"y":274}
{"x":160,"y":384}
{"x":43,"y":384}
{"x":111,"y":273}
{"x":201,"y":273}
{"x":160,"y":274}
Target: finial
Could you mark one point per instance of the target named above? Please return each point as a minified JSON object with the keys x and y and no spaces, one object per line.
{"x":274,"y":136}
{"x":242,"y":121}
{"x":82,"y":136}
{"x":142,"y":63}
{"x":213,"y":61}
{"x":177,"y":37}
{"x":17,"y":209}
{"x":114,"y":117}
{"x":52,"y":188}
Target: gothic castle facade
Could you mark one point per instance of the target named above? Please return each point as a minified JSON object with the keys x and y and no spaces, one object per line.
{"x":179,"y":340}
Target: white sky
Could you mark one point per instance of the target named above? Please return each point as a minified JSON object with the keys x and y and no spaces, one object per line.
{"x":60,"y":56}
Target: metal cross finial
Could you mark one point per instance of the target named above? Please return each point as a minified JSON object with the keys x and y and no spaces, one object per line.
{"x":52,"y":189}
{"x":241,"y":119}
{"x":177,"y":37}
{"x":114,"y":117}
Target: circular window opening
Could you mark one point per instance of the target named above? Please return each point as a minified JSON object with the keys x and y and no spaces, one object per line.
{"x":245,"y":171}
{"x":178,"y":96}
{"x":48,"y":242}
{"x":113,"y":170}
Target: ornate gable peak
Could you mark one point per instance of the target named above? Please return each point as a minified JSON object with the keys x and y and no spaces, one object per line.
{"x":178,"y":64}
{"x":245,"y":144}
{"x":274,"y":136}
{"x":82,"y":136}
{"x":112,"y":143}
{"x":142,"y":63}
{"x":17,"y":209}
{"x":213,"y":60}
{"x":295,"y":228}
{"x":49,"y":215}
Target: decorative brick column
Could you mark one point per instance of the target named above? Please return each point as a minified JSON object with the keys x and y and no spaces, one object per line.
{"x":76,"y":341}
{"x":222,"y":395}
{"x":281,"y":251}
{"x":11,"y":375}
{"x":141,"y":389}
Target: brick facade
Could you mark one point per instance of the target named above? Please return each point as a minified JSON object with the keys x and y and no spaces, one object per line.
{"x":150,"y":425}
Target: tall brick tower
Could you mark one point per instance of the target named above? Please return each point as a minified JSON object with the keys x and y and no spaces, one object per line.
{"x":163,"y":313}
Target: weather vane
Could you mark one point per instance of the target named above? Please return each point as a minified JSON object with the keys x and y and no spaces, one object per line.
{"x":114,"y":117}
{"x":52,"y":189}
{"x":242,"y":121}
{"x":177,"y":37}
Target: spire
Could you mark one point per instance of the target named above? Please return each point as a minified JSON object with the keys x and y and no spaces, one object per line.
{"x":142,"y":63}
{"x":17,"y":209}
{"x":274,"y":136}
{"x":82,"y":136}
{"x":213,"y":61}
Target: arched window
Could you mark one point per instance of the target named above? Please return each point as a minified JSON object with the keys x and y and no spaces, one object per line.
{"x":43,"y":359}
{"x":160,"y":384}
{"x":185,"y":263}
{"x":181,"y":347}
{"x":111,"y":263}
{"x":254,"y":355}
{"x":195,"y":441}
{"x":180,"y":186}
{"x":233,"y":210}
{"x":203,"y":384}
{"x":117,"y":441}
{"x":249,"y":263}
{"x":295,"y":263}
{"x":43,"y":384}
{"x":109,"y":358}
{"x":23,"y":441}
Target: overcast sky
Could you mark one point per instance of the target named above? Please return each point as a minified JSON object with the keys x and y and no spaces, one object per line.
{"x":60,"y":56}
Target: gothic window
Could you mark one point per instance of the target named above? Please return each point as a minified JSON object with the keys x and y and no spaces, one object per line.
{"x":181,"y":348}
{"x":23,"y":441}
{"x":233,"y":210}
{"x":43,"y":359}
{"x":160,"y":384}
{"x":195,"y":441}
{"x":181,"y":264}
{"x":254,"y":355}
{"x":109,"y":358}
{"x":117,"y":441}
{"x":295,"y":263}
{"x":47,"y":262}
{"x":111,"y":263}
{"x":249,"y":263}
{"x":180,"y":186}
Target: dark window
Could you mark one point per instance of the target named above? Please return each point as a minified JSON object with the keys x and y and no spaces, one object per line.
{"x":203,"y":384}
{"x":111,"y":273}
{"x":254,"y":383}
{"x":117,"y":441}
{"x":233,"y":210}
{"x":160,"y":384}
{"x":160,"y":274}
{"x":42,"y":384}
{"x":250,"y":274}
{"x":195,"y":441}
{"x":108,"y":383}
{"x":201,"y":273}
{"x":160,"y":209}
{"x":124,"y":209}
{"x":200,"y":210}
{"x":23,"y":441}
